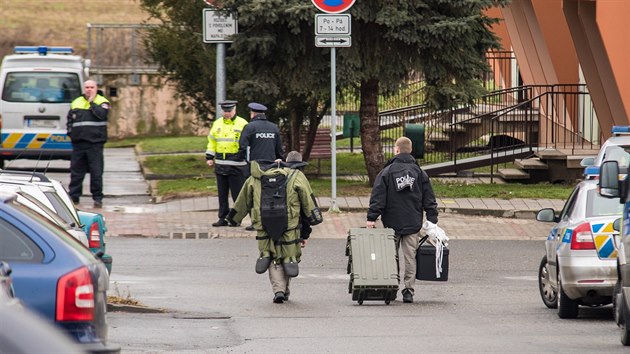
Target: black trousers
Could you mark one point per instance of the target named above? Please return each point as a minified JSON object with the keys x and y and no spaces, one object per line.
{"x":228,"y":183}
{"x":86,"y":158}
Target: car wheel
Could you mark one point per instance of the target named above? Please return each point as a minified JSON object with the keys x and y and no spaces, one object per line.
{"x":547,"y":293}
{"x":617,"y":300}
{"x":567,"y":308}
{"x":624,"y":321}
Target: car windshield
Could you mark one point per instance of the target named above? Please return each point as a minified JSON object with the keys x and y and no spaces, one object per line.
{"x":52,"y":87}
{"x":618,"y":153}
{"x":596,"y":205}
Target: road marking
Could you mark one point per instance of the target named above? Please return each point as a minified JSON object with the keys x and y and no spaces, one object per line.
{"x":525,"y":277}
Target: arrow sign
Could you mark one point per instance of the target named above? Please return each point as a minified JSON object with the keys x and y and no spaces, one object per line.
{"x":333,"y":41}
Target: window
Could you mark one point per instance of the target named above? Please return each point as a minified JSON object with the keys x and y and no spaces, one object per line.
{"x":618,"y":153}
{"x":52,"y":87}
{"x":568,"y":207}
{"x":597,"y":205}
{"x":15,"y":246}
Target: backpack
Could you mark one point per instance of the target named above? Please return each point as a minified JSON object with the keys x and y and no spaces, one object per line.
{"x":273,"y":204}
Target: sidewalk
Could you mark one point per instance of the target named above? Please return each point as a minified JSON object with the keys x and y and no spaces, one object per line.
{"x":129,"y":211}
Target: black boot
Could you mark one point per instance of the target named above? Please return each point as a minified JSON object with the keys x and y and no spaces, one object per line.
{"x":220,"y":223}
{"x":278,"y":297}
{"x":262,"y":264}
{"x":407,"y":296}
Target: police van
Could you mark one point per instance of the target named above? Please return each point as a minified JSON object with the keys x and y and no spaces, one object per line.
{"x":37,"y":86}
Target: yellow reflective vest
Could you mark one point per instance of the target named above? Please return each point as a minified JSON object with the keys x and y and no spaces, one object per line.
{"x":223,"y":141}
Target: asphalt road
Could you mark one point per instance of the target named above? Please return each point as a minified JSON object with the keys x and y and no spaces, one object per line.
{"x":217,"y":304}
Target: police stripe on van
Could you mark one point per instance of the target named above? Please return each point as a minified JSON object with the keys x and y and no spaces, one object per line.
{"x":36,"y":141}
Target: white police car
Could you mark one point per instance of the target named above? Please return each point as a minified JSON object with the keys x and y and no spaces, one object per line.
{"x":580,"y":262}
{"x":616,"y":148}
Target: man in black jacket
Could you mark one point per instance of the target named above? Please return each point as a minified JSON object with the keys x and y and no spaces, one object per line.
{"x":87,"y":128}
{"x":260,"y":139}
{"x":400,"y":195}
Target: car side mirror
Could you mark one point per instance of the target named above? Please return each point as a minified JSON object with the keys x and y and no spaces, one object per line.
{"x":587,"y":161}
{"x":546,"y":215}
{"x":609,"y":180}
{"x":617,"y":224}
{"x":5,"y":269}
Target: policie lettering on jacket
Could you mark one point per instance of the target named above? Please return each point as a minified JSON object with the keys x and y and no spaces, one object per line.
{"x":402,"y":193}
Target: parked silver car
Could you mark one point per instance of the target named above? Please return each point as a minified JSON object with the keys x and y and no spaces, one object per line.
{"x":580,"y":262}
{"x":615,"y":148}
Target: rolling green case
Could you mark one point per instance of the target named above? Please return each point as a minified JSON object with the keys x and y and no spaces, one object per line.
{"x":372,"y":265}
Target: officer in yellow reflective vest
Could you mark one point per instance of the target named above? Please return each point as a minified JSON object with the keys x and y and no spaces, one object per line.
{"x":222,"y":153}
{"x":87,"y":128}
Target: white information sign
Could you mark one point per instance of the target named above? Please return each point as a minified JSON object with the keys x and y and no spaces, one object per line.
{"x":332,"y":24}
{"x":333,"y":41}
{"x":217,"y":26}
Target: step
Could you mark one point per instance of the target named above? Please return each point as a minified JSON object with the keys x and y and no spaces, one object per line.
{"x":467,"y":118}
{"x":531,"y":164}
{"x":437,"y":136}
{"x":551,"y":154}
{"x":573,"y":161}
{"x":511,"y":174}
{"x":455,"y":128}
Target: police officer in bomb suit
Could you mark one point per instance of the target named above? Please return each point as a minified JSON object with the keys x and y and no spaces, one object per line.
{"x":276,"y":195}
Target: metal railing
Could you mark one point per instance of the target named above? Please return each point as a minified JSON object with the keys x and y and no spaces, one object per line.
{"x":499,"y":127}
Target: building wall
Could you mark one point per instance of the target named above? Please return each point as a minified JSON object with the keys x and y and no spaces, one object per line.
{"x":553,"y":39}
{"x":558,"y":41}
{"x":146,"y":108}
{"x":612,"y":19}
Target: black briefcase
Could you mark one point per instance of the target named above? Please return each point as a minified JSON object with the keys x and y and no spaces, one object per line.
{"x":425,"y":263}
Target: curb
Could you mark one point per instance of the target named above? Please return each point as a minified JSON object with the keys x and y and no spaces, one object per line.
{"x":498,"y":213}
{"x":133,"y":308}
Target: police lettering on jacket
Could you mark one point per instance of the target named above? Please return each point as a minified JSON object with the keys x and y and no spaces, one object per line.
{"x":265,"y":135}
{"x":404,"y":181}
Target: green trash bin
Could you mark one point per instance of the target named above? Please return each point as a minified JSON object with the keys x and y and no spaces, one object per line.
{"x":415,"y":132}
{"x":351,"y":125}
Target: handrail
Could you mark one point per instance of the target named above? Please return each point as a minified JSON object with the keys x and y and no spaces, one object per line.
{"x":514,"y":117}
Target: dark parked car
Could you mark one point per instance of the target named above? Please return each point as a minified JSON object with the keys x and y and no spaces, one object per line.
{"x":52,"y":194}
{"x":22,"y":331}
{"x":55,"y":275}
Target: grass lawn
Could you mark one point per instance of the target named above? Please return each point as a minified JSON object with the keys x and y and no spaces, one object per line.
{"x":189,"y":174}
{"x":357,"y":188}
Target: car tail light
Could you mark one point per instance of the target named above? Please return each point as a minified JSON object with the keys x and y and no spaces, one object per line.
{"x":95,"y":236}
{"x":582,"y":238}
{"x":75,"y":296}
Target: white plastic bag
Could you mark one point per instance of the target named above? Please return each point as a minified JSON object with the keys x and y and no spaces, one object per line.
{"x":438,"y":238}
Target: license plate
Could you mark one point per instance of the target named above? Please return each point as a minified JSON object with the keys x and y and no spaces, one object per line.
{"x":42,"y":123}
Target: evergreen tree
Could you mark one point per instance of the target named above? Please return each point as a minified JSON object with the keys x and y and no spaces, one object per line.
{"x":176,"y":44}
{"x":273,"y":58}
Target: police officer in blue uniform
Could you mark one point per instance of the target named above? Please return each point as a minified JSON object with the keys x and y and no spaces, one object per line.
{"x":260,"y":140}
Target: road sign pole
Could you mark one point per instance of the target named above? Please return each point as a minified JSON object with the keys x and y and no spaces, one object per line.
{"x":333,"y":129}
{"x":220,"y":78}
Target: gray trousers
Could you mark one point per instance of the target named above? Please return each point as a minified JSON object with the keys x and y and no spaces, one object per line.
{"x":409,"y":246}
{"x":279,"y":280}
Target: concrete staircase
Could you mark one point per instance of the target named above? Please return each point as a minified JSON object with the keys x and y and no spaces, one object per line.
{"x":548,"y":165}
{"x":473,"y":124}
